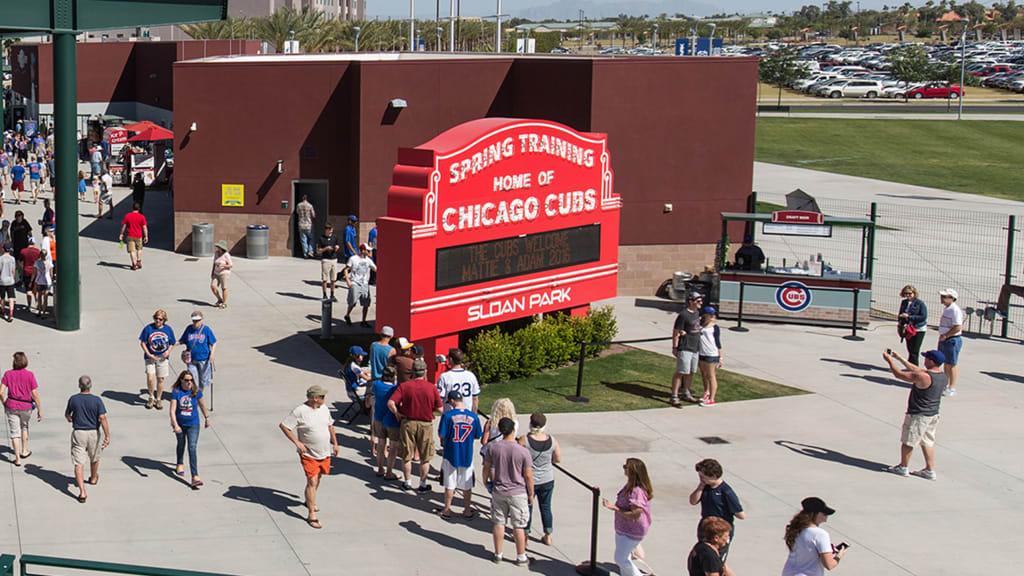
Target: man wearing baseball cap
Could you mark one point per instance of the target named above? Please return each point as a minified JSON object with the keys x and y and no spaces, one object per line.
{"x":950,"y":328}
{"x":458,"y":430}
{"x":357,"y":276}
{"x":381,"y":352}
{"x":310,"y":428}
{"x":686,"y":347}
{"x":922,"y":409}
{"x":348,"y":249}
{"x":414,"y":403}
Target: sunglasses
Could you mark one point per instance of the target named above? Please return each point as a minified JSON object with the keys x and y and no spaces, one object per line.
{"x":187,"y":380}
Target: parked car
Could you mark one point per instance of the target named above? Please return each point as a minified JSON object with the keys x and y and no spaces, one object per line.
{"x":855,"y":89}
{"x":935,"y":90}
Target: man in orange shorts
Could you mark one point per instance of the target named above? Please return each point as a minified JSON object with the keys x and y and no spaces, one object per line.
{"x":310,"y":427}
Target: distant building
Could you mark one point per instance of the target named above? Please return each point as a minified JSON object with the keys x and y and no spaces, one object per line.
{"x":762,"y":20}
{"x":343,"y":9}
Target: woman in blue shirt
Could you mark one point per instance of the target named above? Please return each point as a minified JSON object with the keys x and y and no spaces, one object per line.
{"x":186,"y":402}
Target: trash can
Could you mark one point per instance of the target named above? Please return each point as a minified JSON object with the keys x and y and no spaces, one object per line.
{"x":257,"y":242}
{"x":202,"y":239}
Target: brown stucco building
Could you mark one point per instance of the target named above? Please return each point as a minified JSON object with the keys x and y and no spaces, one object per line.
{"x":680,"y":132}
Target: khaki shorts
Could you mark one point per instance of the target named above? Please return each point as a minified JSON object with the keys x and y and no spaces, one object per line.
{"x":85,"y":447}
{"x":417,"y":435}
{"x":328,"y":270}
{"x":509,"y":510}
{"x":919,"y":429}
{"x":133,"y":244}
{"x":221,"y":280}
{"x":158,"y":366}
{"x":17,"y":420}
{"x":380,"y":431}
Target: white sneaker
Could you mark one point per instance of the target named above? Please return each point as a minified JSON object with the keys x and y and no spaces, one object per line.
{"x":949,"y":392}
{"x":925,"y":473}
{"x":898,"y":470}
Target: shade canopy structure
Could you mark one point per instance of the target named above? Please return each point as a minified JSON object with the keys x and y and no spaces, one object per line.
{"x":152,"y":133}
{"x":64,"y":20}
{"x":140,"y":126}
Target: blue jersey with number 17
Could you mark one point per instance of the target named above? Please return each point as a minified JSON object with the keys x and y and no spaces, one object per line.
{"x":458,"y":430}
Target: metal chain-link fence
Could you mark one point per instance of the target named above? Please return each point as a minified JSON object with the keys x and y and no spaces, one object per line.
{"x":932,"y":248}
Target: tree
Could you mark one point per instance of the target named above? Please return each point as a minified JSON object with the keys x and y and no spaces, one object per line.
{"x":781,"y":69}
{"x":910,"y":64}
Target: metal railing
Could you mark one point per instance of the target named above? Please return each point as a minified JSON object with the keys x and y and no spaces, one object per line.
{"x":589,"y":568}
{"x":853,"y":323}
{"x":108,"y":567}
{"x":7,"y":565}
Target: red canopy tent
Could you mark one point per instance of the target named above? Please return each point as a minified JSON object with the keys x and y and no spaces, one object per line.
{"x":152,"y":133}
{"x":140,"y":126}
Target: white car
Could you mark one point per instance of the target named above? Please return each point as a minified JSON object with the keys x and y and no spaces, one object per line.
{"x":855,"y":89}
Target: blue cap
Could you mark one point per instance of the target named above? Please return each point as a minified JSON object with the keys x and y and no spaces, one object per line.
{"x":748,"y":238}
{"x":709,"y":310}
{"x":356,"y":351}
{"x":353,"y":218}
{"x":935,"y":356}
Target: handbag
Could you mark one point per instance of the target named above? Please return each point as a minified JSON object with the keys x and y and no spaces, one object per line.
{"x":910,"y":331}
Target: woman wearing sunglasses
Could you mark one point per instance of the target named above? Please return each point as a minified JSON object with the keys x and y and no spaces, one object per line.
{"x":186,"y":402}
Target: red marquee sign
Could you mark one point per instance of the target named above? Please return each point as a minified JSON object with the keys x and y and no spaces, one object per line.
{"x":493,"y":220}
{"x":797,"y":217}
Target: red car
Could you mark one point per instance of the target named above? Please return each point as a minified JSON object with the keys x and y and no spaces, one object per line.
{"x":986,"y":72}
{"x":935,"y":90}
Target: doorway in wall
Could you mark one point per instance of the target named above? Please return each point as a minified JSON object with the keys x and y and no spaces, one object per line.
{"x":317,"y":193}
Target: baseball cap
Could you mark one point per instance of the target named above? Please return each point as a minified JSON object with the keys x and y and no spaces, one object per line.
{"x":404,"y":344}
{"x":356,"y":351}
{"x":31,"y":239}
{"x":454,"y":395}
{"x":814,"y":505}
{"x":949,"y":292}
{"x":417,"y":350}
{"x":197,"y":315}
{"x":419,"y":365}
{"x":365,"y":246}
{"x":709,"y":310}
{"x":316,"y":390}
{"x":748,"y":238}
{"x":694,"y":296}
{"x":387,"y":331}
{"x":935,"y":356}
{"x":353,"y":218}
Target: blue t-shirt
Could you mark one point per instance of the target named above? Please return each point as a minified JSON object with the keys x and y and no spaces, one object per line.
{"x":720,"y":501}
{"x":350,"y":239}
{"x":198,"y":342}
{"x":3,"y":159}
{"x":85,"y":411}
{"x":186,"y":409}
{"x":382,"y":393}
{"x":157,"y":341}
{"x":379,"y":354}
{"x":458,"y":429}
{"x":18,"y":173}
{"x":81,"y":186}
{"x":35,"y":170}
{"x":372,"y":238}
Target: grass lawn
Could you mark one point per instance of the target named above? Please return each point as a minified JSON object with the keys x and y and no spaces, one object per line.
{"x":632,"y":380}
{"x":977,"y":157}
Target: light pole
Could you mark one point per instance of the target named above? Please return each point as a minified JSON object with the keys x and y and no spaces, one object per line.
{"x":963,"y":64}
{"x":711,"y":39}
{"x":655,"y":43}
{"x":412,"y":25}
{"x":497,"y":36}
{"x":439,"y":30}
{"x":357,"y":29}
{"x":451,"y":27}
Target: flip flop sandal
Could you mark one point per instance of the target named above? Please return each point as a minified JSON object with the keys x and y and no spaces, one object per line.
{"x":81,"y":499}
{"x":314,"y":523}
{"x":440,"y":512}
{"x":23,"y":456}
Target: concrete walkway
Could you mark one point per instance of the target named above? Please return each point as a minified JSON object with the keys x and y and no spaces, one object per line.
{"x":247,"y":519}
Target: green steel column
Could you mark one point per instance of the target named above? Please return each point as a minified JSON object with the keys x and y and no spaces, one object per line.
{"x":65,"y":116}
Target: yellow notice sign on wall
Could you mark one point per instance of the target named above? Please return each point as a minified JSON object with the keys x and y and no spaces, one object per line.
{"x":232,"y":195}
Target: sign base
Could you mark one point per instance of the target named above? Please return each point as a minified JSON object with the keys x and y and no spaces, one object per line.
{"x":580,"y":399}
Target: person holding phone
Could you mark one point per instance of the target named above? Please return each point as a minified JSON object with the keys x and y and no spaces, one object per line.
{"x":913,"y":322}
{"x":632,"y":514}
{"x":810,"y":547}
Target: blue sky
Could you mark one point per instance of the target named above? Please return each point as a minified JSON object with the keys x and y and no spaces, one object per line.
{"x":426,"y":8}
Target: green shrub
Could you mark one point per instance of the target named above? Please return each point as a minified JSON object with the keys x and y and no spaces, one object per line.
{"x":549,"y":343}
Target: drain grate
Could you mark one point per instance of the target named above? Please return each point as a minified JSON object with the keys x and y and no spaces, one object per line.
{"x":191,"y":259}
{"x":712,"y":440}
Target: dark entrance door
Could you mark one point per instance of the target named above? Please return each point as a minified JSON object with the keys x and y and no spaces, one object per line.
{"x":317,"y":193}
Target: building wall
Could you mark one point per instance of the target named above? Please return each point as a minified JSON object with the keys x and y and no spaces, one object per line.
{"x":680,"y":132}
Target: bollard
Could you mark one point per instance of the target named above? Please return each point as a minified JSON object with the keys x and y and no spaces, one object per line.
{"x":326,"y":320}
{"x":739,"y":314}
{"x":853,"y":336}
{"x":579,"y":376}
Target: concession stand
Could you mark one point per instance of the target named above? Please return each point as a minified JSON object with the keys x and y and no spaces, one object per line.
{"x":806,"y":291}
{"x":493,"y":220}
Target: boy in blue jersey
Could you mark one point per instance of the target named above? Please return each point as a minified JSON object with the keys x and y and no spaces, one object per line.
{"x":458,"y":430}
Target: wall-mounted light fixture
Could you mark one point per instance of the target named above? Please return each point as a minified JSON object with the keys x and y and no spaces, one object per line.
{"x":193,"y":127}
{"x":399,"y":103}
{"x":280,"y":166}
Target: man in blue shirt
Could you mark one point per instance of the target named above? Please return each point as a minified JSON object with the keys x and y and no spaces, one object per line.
{"x":386,"y":427}
{"x":351,"y":238}
{"x":200,"y":345}
{"x":157,"y":340}
{"x":35,"y":174}
{"x":458,"y":430}
{"x":18,"y":180}
{"x":87,"y":415}
{"x":716,"y":498}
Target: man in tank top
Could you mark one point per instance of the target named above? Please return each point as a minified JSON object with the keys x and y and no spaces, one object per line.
{"x":922,"y":409}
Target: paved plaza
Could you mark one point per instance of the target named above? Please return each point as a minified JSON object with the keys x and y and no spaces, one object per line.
{"x":248,"y":517}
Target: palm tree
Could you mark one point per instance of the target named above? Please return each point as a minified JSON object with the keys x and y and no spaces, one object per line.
{"x":282,"y":24}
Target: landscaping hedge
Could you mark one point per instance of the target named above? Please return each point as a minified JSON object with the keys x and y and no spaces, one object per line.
{"x":497,"y":355}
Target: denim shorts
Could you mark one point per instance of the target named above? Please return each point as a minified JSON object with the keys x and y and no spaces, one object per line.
{"x":710,"y":359}
{"x":950,"y":348}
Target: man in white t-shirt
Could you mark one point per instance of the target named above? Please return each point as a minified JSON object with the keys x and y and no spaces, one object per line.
{"x":950,"y":328}
{"x":357,"y":276}
{"x":310,"y":427}
{"x":458,"y":378}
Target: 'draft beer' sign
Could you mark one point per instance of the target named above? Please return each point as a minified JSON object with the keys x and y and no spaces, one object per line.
{"x":493,"y":220}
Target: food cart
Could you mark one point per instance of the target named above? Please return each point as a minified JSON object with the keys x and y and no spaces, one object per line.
{"x":786,"y":289}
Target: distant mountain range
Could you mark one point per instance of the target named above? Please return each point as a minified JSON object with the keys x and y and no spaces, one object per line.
{"x":597,"y":9}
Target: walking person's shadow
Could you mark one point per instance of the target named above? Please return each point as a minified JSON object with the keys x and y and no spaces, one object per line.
{"x":58,"y":481}
{"x":270,"y":498}
{"x":831,"y":455}
{"x":139,"y":464}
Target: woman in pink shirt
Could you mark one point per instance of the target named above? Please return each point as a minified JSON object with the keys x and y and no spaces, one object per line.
{"x":632,"y":514}
{"x":18,"y":388}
